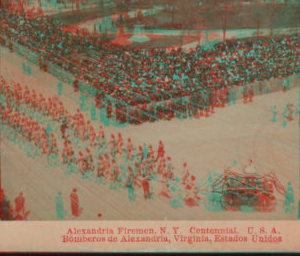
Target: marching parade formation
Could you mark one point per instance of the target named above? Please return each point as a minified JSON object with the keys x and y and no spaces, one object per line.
{"x":44,"y":128}
{"x":38,"y":126}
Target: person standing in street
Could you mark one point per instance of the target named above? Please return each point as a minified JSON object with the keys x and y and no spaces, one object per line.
{"x":59,"y":88}
{"x":289,"y":199}
{"x":20,"y":204}
{"x":24,"y":67}
{"x":286,"y":84}
{"x":93,"y":112}
{"x":60,"y":212}
{"x":130,"y":187}
{"x":28,"y":69}
{"x":75,"y":203}
{"x":274,"y":113}
{"x":160,"y":151}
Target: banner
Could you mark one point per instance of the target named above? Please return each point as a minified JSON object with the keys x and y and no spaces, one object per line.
{"x":151,"y":236}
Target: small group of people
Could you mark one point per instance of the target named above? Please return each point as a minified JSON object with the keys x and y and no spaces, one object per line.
{"x":76,"y":210}
{"x":288,"y":115}
{"x":8,"y":212}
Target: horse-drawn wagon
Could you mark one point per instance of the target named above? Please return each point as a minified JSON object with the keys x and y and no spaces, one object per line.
{"x":238,"y":191}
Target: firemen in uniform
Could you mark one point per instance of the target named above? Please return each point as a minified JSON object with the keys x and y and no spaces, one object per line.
{"x":146,"y":186}
{"x":63,"y":128}
{"x":160,"y":151}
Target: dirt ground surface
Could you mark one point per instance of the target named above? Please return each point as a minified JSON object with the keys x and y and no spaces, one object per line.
{"x":235,"y":133}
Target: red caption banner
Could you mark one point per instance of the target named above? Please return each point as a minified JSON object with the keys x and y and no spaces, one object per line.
{"x":173,"y":235}
{"x":156,"y":236}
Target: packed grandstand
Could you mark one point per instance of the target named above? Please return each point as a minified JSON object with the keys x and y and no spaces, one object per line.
{"x":138,"y":85}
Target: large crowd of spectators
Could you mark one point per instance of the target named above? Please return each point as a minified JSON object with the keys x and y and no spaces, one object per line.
{"x":156,"y":82}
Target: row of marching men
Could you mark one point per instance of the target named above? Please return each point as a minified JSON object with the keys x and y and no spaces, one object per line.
{"x":26,"y":129}
{"x":114,"y":161}
{"x":89,"y":152}
{"x":124,"y":166}
{"x":18,"y":98}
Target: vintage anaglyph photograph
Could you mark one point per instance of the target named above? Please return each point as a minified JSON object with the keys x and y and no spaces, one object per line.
{"x":153,"y":110}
